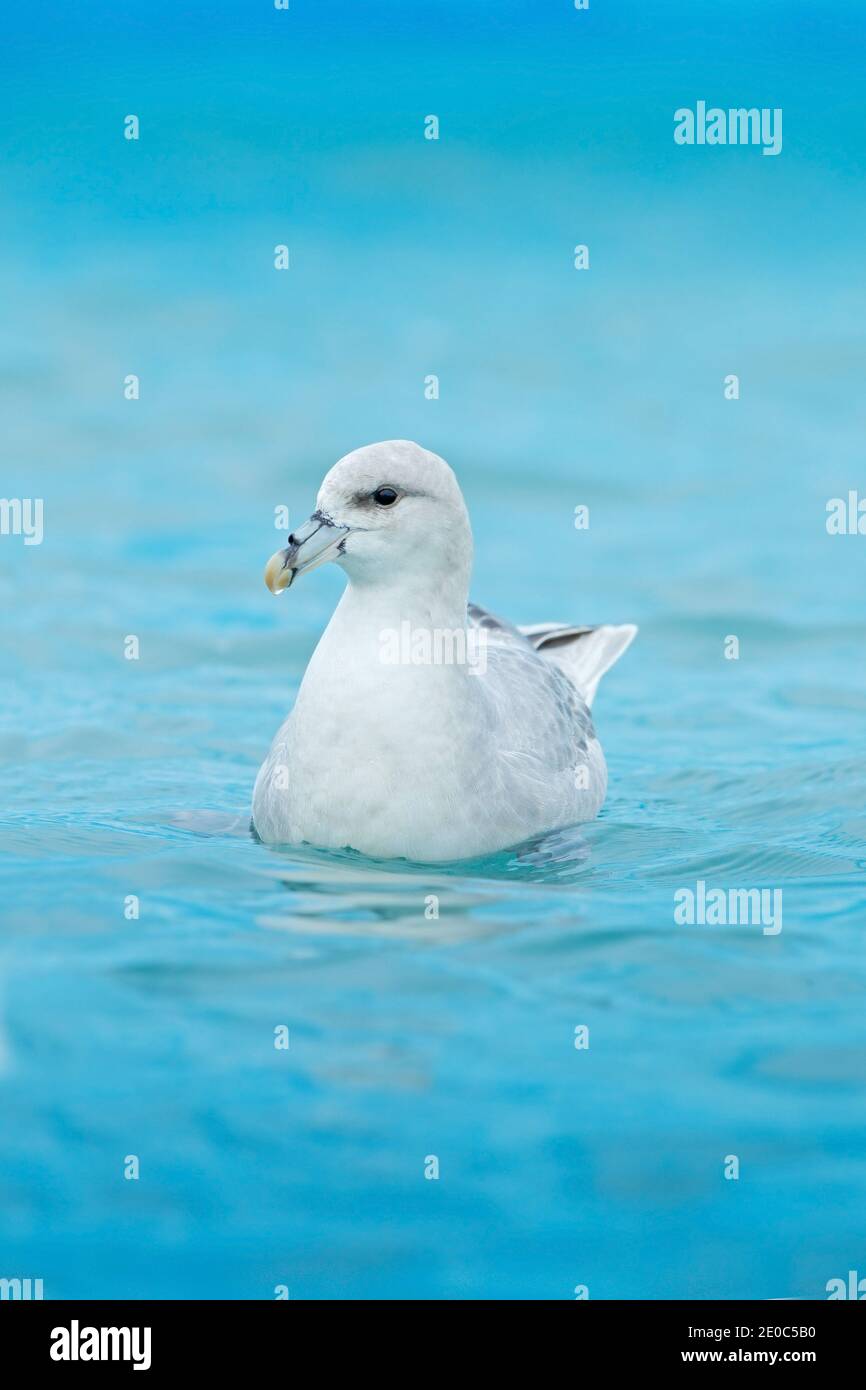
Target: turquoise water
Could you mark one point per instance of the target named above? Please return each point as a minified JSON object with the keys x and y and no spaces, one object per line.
{"x":412,"y":1037}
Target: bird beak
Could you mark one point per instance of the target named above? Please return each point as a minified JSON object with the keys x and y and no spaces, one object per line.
{"x":320,"y":539}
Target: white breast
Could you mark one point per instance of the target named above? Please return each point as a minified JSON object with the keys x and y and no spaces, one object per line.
{"x":427,"y":762}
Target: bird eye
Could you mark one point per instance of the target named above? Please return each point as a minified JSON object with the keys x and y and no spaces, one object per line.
{"x":385,"y":496}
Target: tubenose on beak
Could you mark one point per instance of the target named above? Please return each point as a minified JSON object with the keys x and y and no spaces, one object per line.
{"x":320,"y":539}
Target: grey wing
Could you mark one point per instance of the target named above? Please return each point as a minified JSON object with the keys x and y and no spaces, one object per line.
{"x":540,"y":636}
{"x":582,"y":654}
{"x":541,"y":716}
{"x":478,"y":617}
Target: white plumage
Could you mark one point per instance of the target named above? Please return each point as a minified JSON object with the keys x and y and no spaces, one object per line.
{"x":424,"y":727}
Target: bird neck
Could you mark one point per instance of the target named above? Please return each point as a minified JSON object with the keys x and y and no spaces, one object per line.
{"x":372,"y":608}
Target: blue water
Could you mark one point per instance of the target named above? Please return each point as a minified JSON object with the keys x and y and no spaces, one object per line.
{"x":411,"y":1037}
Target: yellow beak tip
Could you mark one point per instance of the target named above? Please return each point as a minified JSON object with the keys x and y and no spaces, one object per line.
{"x":278,"y":576}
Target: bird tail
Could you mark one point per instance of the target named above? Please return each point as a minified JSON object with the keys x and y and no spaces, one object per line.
{"x":584,"y":654}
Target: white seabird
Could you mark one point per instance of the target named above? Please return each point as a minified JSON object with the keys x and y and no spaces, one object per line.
{"x":425,"y":728}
